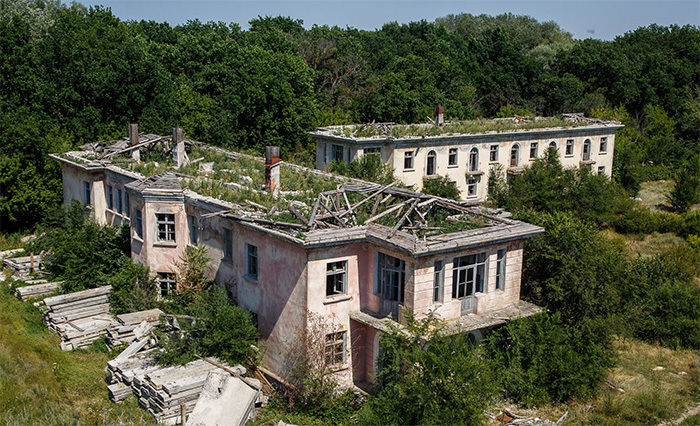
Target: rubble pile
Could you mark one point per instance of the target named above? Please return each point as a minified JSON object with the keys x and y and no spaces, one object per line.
{"x":35,"y":289}
{"x":122,"y":332}
{"x":79,"y":318}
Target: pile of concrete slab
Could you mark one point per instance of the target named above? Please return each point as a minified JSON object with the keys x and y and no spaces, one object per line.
{"x":25,"y":265}
{"x":122,"y":333}
{"x":162,"y":391}
{"x":79,"y":318}
{"x":35,"y":289}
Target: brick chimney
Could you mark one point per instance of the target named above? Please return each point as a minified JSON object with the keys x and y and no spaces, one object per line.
{"x":133,"y":141}
{"x":179,"y":155}
{"x":272,"y":169}
{"x":439,"y":116}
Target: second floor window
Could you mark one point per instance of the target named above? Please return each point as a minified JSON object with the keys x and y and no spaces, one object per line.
{"x":110,"y":199}
{"x":87,"y":189}
{"x":493,"y":153}
{"x":603,"y":145}
{"x":586,"y":154}
{"x":251,"y":262}
{"x":468,"y":275}
{"x":228,"y":245}
{"x":431,"y":164}
{"x":408,"y":160}
{"x":166,"y":226}
{"x":391,"y":275}
{"x":500,"y":269}
{"x":569,"y":147}
{"x":515,"y":156}
{"x":138,"y":223}
{"x":120,"y":204}
{"x":438,"y":282}
{"x":452,"y":159}
{"x":474,"y":160}
{"x":336,"y":278}
{"x":533,"y":150}
{"x":193,"y":230}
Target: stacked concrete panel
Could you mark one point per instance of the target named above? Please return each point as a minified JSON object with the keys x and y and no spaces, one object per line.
{"x":36,"y":289}
{"x":122,"y":333}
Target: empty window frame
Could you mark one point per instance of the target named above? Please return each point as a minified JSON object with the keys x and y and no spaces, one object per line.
{"x":374,"y":150}
{"x":515,"y":156}
{"x":408,"y":160}
{"x":391,"y":275}
{"x":87,"y":190}
{"x":167,"y":284}
{"x":337,"y":278}
{"x":468,"y":275}
{"x":251,"y":261}
{"x":325,"y":153}
{"x":500,"y":269}
{"x":553,"y":144}
{"x":452,"y":159}
{"x":110,"y":199}
{"x":335,"y":349}
{"x":601,"y":170}
{"x":192,"y":223}
{"x":603,"y":145}
{"x":493,"y":153}
{"x":336,"y":153}
{"x":569,"y":147}
{"x":471,"y":187}
{"x":349,"y":154}
{"x":533,"y":150}
{"x":228,"y":245}
{"x":120,"y":204}
{"x":138,"y":223}
{"x":431,"y":163}
{"x":165,"y":223}
{"x":438,"y":282}
{"x":473,"y":159}
{"x":586,"y":153}
{"x":127,"y":205}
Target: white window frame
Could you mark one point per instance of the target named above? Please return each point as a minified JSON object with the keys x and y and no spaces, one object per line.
{"x":586,"y":150}
{"x":438,"y":281}
{"x":493,"y":153}
{"x":167,"y":285}
{"x":533,"y":150}
{"x":452,"y":157}
{"x":165,"y":227}
{"x":603,"y":145}
{"x":408,"y":159}
{"x":251,"y":262}
{"x":569,"y":148}
{"x":501,"y":269}
{"x":473,"y":165}
{"x":336,"y":278}
{"x":431,"y":157}
{"x":515,"y":149}
{"x":462,"y":268}
{"x":471,"y":187}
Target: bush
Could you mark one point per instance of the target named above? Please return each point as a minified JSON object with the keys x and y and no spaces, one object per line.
{"x":369,"y":167}
{"x":541,"y":360}
{"x":441,"y":186}
{"x":686,"y":190}
{"x":133,"y":289}
{"x":430,"y":377}
{"x":642,"y":221}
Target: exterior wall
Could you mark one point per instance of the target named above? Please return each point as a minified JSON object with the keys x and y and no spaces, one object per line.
{"x":393,"y":152}
{"x":116,"y":181}
{"x":163,"y":255}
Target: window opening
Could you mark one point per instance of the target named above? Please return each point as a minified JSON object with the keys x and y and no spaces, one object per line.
{"x":587,"y":150}
{"x":193,"y":230}
{"x":493,"y":153}
{"x":430,"y":167}
{"x":474,"y":160}
{"x":336,"y":153}
{"x":251,"y":261}
{"x":119,"y":201}
{"x":138,"y":223}
{"x":408,"y":160}
{"x":336,"y":278}
{"x":553,"y":144}
{"x":452,"y":159}
{"x":167,"y":283}
{"x":228,"y":245}
{"x":601,"y":170}
{"x":500,"y":269}
{"x":603,"y":145}
{"x":471,"y":187}
{"x":533,"y":150}
{"x":110,"y":199}
{"x":87,"y":189}
{"x":335,"y":347}
{"x":166,"y":226}
{"x":438,"y":282}
{"x":468,"y":275}
{"x":127,"y":205}
{"x":569,"y":147}
{"x":515,"y":156}
{"x":391,"y":277}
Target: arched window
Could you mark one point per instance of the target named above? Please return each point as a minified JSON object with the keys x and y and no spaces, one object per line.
{"x":474,"y":159}
{"x":553,"y":144}
{"x":586,"y":150}
{"x":430,"y":166}
{"x":515,"y":155}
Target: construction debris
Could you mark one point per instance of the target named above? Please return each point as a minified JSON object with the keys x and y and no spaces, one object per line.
{"x":79,"y":318}
{"x":25,"y":265}
{"x":224,"y":400}
{"x":36,"y":290}
{"x":125,"y":332}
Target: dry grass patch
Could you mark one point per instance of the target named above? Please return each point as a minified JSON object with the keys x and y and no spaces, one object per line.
{"x":647,"y":245}
{"x":654,"y":195}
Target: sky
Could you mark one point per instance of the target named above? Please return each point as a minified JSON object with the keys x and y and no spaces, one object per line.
{"x":601,"y":19}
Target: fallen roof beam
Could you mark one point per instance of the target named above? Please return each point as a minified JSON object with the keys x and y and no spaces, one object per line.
{"x":403,"y":219}
{"x":388,"y":211}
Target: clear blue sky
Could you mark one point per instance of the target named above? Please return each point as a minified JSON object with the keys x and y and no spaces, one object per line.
{"x":584,"y":19}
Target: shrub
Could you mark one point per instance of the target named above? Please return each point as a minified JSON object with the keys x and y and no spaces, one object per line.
{"x":441,"y":186}
{"x":133,"y":289}
{"x":369,"y":167}
{"x":540,"y":359}
{"x":686,"y":190}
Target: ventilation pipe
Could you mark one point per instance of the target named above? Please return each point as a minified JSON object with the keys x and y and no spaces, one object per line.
{"x":439,"y":116}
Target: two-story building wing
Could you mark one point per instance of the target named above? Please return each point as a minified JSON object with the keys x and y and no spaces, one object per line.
{"x":466,"y":152}
{"x":355,"y":254}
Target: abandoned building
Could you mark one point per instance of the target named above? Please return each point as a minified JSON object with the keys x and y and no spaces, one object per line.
{"x":291,"y":243}
{"x":466,"y":152}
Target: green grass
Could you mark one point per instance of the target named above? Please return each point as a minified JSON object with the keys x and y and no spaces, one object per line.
{"x":41,"y":384}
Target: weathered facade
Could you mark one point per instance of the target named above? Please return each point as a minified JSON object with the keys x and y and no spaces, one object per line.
{"x":355,"y":256}
{"x":467,"y":154}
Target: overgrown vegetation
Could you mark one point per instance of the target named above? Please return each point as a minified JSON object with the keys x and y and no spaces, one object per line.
{"x":441,"y":186}
{"x":369,"y":167}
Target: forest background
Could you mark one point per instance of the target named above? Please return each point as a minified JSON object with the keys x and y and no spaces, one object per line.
{"x":71,"y":75}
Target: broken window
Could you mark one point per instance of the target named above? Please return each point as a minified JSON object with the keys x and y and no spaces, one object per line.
{"x":431,"y":163}
{"x":251,"y":262}
{"x":138,"y":223}
{"x":468,"y":275}
{"x":87,"y":189}
{"x":335,"y":347}
{"x":452,"y":159}
{"x":474,"y":159}
{"x":471,"y":187}
{"x":533,"y":150}
{"x":601,"y":170}
{"x":603,"y":145}
{"x":500,"y":269}
{"x":586,"y":155}
{"x":228,"y":245}
{"x":515,"y":155}
{"x":336,"y":278}
{"x":110,"y":199}
{"x":193,"y":230}
{"x":167,"y":284}
{"x":493,"y":153}
{"x":336,"y":153}
{"x":569,"y":147}
{"x":408,"y":160}
{"x":391,"y":277}
{"x":553,"y":144}
{"x":119,"y":201}
{"x":438,"y":282}
{"x":166,"y":226}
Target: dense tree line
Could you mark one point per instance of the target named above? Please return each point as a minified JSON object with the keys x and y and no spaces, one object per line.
{"x":70,"y":75}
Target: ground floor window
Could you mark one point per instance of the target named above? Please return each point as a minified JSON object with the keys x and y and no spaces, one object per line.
{"x":336,"y":278}
{"x":471,"y":187}
{"x":167,"y":284}
{"x":335,"y":347}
